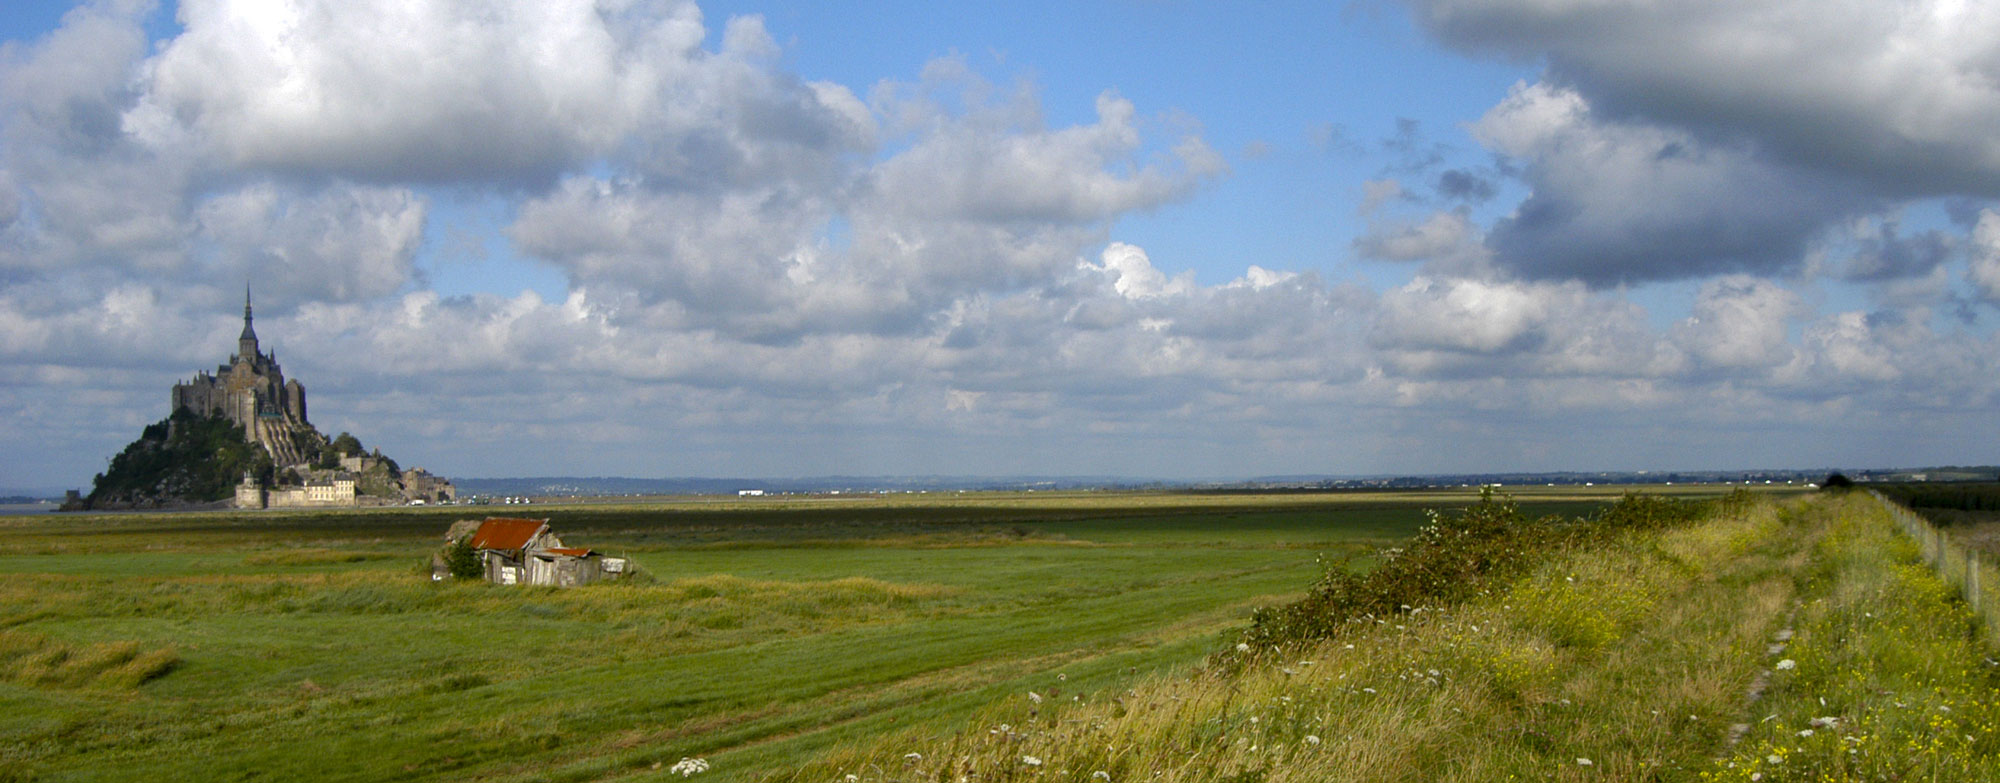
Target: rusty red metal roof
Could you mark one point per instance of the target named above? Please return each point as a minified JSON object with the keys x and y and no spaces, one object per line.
{"x":572,"y":551}
{"x":506,"y":533}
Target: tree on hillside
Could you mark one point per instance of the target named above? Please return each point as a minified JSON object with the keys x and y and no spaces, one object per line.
{"x":348,"y":445}
{"x":183,"y":458}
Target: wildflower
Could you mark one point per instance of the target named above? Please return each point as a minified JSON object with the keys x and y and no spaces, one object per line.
{"x":1775,"y":759}
{"x":688,"y":767}
{"x":1242,"y":646}
{"x":1583,"y":762}
{"x":1312,"y":739}
{"x":913,"y":757}
{"x":1367,"y":690}
{"x":1787,"y":665}
{"x":1805,"y":732}
{"x":1031,"y":761}
{"x":1060,"y":677}
{"x":1034,"y":697}
{"x":852,"y":778}
{"x":1101,"y":775}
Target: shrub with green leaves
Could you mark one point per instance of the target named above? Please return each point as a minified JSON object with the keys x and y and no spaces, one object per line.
{"x":462,"y":560}
{"x":1457,"y":556}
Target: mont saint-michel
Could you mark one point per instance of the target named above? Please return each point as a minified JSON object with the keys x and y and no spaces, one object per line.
{"x":239,"y":436}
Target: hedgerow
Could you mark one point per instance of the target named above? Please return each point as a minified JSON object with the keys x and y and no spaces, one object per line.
{"x":1457,"y":556}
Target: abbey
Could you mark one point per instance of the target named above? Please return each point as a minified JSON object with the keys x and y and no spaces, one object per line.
{"x":242,"y":430}
{"x":307,"y":470}
{"x":251,"y":391}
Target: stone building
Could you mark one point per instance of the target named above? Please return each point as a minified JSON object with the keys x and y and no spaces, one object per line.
{"x":251,"y":391}
{"x":422,"y":486}
{"x":336,"y":491}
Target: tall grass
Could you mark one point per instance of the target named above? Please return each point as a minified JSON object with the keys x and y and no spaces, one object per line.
{"x":1459,"y":555}
{"x":29,"y":659}
{"x":1576,"y":668}
{"x":1887,"y":678}
{"x":1973,"y":572}
{"x":1635,"y":657}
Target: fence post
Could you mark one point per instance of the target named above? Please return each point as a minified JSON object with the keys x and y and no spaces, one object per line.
{"x":1939,"y":551}
{"x":1972,"y":595}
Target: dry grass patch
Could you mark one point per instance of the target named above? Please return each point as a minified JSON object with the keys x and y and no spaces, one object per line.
{"x":29,"y":659}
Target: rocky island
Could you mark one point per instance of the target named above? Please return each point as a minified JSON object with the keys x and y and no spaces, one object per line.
{"x":239,"y":437}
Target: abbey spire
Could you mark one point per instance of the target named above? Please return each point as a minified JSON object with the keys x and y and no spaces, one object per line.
{"x":246,"y":345}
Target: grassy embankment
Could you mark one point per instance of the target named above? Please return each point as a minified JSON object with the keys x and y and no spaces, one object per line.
{"x":1794,"y":642}
{"x":309,"y":646}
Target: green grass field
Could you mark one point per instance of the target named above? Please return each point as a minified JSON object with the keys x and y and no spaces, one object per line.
{"x":276,"y":646}
{"x":1794,"y":641}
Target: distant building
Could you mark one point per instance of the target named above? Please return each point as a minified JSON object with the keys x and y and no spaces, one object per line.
{"x":334,"y":492}
{"x":526,"y":552}
{"x":749,"y":493}
{"x":251,"y":391}
{"x":422,"y":486}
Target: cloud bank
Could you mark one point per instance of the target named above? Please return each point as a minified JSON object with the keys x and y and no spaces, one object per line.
{"x":768,"y":274}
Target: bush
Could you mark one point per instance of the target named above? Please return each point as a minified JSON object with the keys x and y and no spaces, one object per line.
{"x":1455,"y":557}
{"x":462,"y":560}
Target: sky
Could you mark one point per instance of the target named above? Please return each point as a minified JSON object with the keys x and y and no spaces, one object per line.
{"x":1153,"y":238}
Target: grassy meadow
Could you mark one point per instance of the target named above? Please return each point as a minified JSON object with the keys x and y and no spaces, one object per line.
{"x":1795,"y":641}
{"x":255,"y":646}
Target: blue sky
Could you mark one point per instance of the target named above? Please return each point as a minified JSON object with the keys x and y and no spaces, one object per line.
{"x":1166,"y":239}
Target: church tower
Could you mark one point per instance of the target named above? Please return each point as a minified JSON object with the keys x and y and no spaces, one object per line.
{"x":246,"y":345}
{"x":252,"y":392}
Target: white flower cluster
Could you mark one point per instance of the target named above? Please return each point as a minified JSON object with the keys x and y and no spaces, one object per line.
{"x":688,"y":768}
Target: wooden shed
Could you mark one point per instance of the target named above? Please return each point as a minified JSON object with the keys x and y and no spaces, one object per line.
{"x":526,"y":552}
